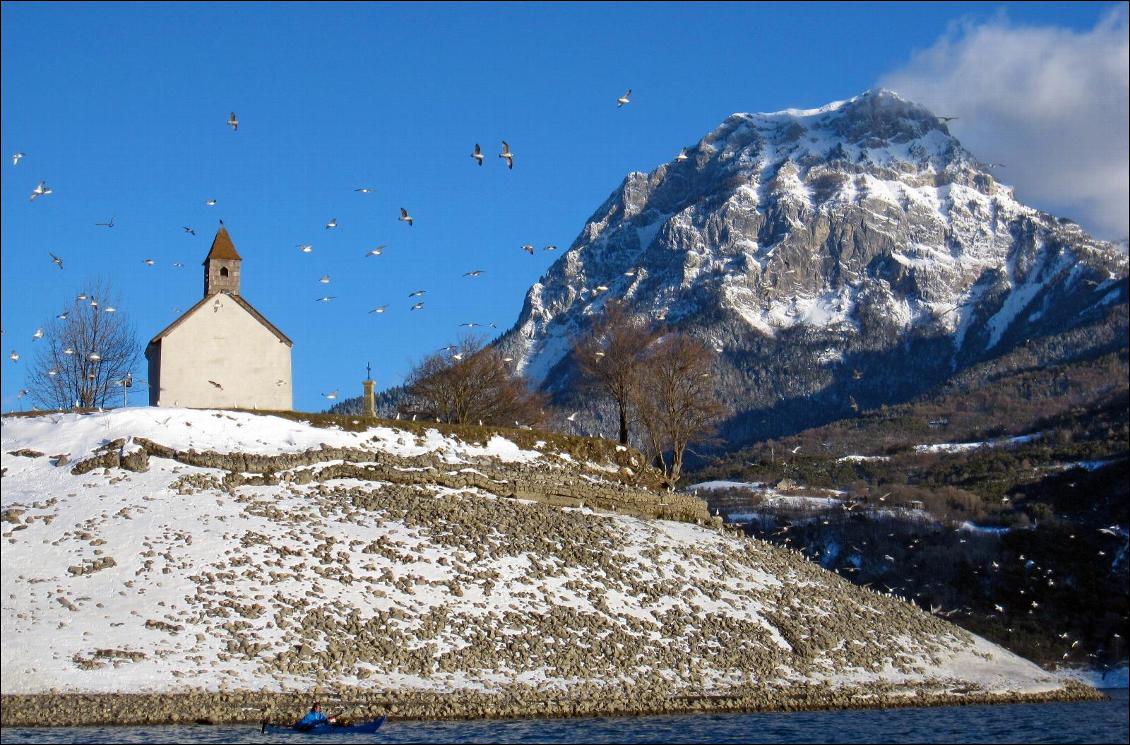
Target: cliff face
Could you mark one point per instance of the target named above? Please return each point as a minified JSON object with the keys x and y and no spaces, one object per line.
{"x":851,"y":253}
{"x":181,"y":550}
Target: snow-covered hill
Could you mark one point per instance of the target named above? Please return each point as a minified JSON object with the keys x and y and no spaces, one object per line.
{"x":852,"y":252}
{"x":173,"y":550}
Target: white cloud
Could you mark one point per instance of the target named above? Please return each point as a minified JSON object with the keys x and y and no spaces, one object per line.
{"x":1050,"y":103}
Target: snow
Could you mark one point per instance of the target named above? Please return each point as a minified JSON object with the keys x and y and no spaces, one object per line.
{"x":178,"y":553}
{"x":962,"y":447}
{"x":861,"y":458}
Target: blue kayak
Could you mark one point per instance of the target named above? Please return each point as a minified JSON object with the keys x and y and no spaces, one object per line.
{"x":323,"y":728}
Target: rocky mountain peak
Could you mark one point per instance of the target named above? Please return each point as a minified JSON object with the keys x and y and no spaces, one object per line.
{"x":862,"y":224}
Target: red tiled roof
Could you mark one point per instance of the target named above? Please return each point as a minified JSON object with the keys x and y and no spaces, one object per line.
{"x":222,"y":247}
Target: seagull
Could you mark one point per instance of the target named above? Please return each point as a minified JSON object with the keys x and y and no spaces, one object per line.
{"x":55,"y":259}
{"x":572,"y":417}
{"x":109,"y":309}
{"x":69,"y":351}
{"x":600,"y":288}
{"x":325,"y":279}
{"x":210,"y":203}
{"x":331,"y":224}
{"x":234,"y":124}
{"x":42,"y":189}
{"x":216,"y":384}
{"x":417,"y":293}
{"x":14,"y":356}
{"x":105,"y":224}
{"x":62,"y":316}
{"x":188,"y":230}
{"x":944,"y":119}
{"x":376,"y":251}
{"x":149,"y":262}
{"x":681,"y":156}
{"x":624,"y":99}
{"x":856,"y":374}
{"x":417,"y":306}
{"x":16,"y":158}
{"x":994,"y":165}
{"x":331,"y":395}
{"x":528,"y":249}
{"x":794,"y":450}
{"x":550,"y":247}
{"x":37,"y":335}
{"x":474,"y":273}
{"x":325,"y":298}
{"x":380,"y":309}
{"x":94,"y":357}
{"x":478,"y":154}
{"x":405,"y":217}
{"x":304,"y":247}
{"x":509,"y":156}
{"x":365,"y":190}
{"x":53,"y":372}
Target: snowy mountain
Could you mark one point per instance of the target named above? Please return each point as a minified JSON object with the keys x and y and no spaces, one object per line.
{"x":854,"y":252}
{"x":164,"y":550}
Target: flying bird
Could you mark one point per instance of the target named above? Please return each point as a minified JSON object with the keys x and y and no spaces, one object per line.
{"x":550,"y":247}
{"x":528,"y":249}
{"x":325,"y":298}
{"x":624,"y":99}
{"x":55,"y":259}
{"x":944,"y":119}
{"x":62,"y":316}
{"x":572,"y":417}
{"x":365,"y":190}
{"x":234,"y":124}
{"x":178,"y":265}
{"x":94,"y":357}
{"x":331,"y":395}
{"x":417,"y":293}
{"x":509,"y":156}
{"x":37,"y":335}
{"x":331,"y":224}
{"x":380,"y":309}
{"x":105,"y":224}
{"x":16,"y":158}
{"x":217,"y":385}
{"x":474,"y":273}
{"x":304,"y":247}
{"x":478,"y":154}
{"x":376,"y":251}
{"x":14,"y":356}
{"x":681,"y":156}
{"x":405,"y":217}
{"x":417,"y":306}
{"x":41,"y":190}
{"x":210,"y":203}
{"x":149,"y":262}
{"x":109,"y":309}
{"x":188,"y":230}
{"x":325,"y":279}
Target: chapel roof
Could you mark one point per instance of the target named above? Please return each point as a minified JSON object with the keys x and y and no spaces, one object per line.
{"x":222,"y":247}
{"x":240,"y":301}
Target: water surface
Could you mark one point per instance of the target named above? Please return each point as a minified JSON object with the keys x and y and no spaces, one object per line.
{"x":1090,"y":721}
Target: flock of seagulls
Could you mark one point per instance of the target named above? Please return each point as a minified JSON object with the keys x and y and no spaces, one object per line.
{"x":506,"y":154}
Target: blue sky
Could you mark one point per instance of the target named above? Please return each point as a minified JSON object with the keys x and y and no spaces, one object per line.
{"x":122,"y":110}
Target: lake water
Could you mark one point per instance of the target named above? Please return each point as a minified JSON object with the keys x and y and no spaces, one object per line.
{"x":1093,"y":721}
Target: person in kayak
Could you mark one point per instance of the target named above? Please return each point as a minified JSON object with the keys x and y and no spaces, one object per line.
{"x":314,"y":717}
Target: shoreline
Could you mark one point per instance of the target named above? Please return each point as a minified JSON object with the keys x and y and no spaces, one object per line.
{"x":513,"y":702}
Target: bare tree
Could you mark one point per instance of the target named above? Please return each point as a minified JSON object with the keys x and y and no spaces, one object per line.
{"x":610,"y":358}
{"x":468,"y":384}
{"x":87,"y":353}
{"x":675,"y":399}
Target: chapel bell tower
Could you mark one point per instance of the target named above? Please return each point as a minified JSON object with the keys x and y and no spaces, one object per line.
{"x":221,"y":266}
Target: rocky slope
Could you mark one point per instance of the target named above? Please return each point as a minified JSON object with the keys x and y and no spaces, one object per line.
{"x":845,"y":256}
{"x":156,"y":551}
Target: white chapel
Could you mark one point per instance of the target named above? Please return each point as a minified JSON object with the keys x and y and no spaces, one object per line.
{"x":221,"y":353}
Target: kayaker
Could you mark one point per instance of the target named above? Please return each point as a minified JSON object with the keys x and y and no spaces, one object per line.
{"x":314,"y":717}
